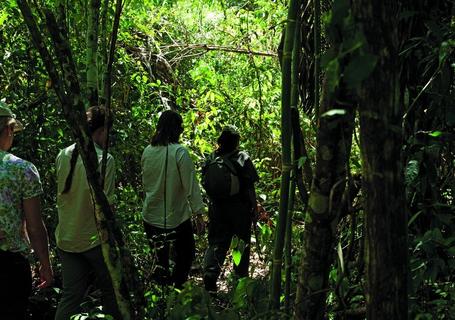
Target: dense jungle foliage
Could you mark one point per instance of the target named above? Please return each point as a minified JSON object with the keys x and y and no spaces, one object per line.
{"x":371,"y":161}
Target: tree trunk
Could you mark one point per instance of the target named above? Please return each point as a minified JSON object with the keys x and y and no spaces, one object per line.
{"x":92,"y":51}
{"x":286,"y":135}
{"x":334,"y":138}
{"x":381,"y":114}
{"x":333,"y":147}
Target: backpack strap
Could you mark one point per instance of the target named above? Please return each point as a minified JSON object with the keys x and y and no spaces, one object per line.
{"x":228,"y":162}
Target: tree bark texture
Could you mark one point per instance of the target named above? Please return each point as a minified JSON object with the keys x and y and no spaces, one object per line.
{"x":333,"y":147}
{"x":381,"y":145}
{"x":334,"y":137}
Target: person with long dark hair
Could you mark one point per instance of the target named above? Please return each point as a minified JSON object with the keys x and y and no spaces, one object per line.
{"x":20,"y":221}
{"x":172,"y":197}
{"x":78,"y":242}
{"x":232,"y":215}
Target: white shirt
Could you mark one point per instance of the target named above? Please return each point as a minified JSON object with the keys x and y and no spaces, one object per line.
{"x":182,"y":195}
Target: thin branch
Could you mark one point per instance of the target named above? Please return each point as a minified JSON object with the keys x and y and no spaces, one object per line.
{"x":107,"y":84}
{"x":208,"y":47}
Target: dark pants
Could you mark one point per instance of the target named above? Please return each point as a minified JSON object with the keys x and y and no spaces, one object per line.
{"x":227,"y":219}
{"x":16,"y":283}
{"x":77,"y":269}
{"x":181,"y":240}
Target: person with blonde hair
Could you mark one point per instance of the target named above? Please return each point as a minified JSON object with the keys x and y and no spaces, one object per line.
{"x":20,"y":222}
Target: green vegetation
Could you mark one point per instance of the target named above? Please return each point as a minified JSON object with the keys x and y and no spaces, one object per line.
{"x":373,"y":157}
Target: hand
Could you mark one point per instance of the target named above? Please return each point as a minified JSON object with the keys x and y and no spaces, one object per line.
{"x":199,"y":223}
{"x":46,"y":276}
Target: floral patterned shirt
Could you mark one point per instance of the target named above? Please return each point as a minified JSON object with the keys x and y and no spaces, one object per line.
{"x":19,"y":180}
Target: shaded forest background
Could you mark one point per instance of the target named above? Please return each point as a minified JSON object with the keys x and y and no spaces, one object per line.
{"x":362,"y":131}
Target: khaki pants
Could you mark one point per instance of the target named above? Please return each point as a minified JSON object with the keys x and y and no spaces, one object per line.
{"x":76,"y":273}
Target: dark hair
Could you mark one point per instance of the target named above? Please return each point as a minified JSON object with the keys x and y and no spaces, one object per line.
{"x":168,"y":129}
{"x":228,"y":141}
{"x":95,"y":120}
{"x":96,"y":116}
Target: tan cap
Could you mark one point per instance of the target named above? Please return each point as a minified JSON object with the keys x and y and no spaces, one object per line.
{"x":6,"y":112}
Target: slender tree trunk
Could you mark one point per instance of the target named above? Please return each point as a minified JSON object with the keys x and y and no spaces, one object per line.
{"x":381,"y":114}
{"x":286,"y":154}
{"x":334,"y":137}
{"x":317,"y":53}
{"x":92,"y":51}
{"x":296,"y":177}
{"x":103,"y":47}
{"x":108,"y":80}
{"x":288,"y":249}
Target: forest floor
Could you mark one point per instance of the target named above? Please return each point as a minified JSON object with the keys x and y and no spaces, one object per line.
{"x":44,"y":302}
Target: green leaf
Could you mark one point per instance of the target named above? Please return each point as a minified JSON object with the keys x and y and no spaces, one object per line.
{"x":340,"y":11}
{"x":436,"y":134}
{"x":451,"y":251}
{"x":327,"y":57}
{"x":301,"y":162}
{"x":334,"y":112}
{"x":358,"y":69}
{"x":333,"y":75}
{"x":236,"y":256}
{"x":414,"y":217}
{"x":412,"y":172}
{"x":340,"y":256}
{"x":3,"y":17}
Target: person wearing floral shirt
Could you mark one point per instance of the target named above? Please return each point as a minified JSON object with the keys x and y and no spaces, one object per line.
{"x":20,"y":223}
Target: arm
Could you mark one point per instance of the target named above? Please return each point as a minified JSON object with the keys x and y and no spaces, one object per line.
{"x":189,"y":181}
{"x":38,"y":238}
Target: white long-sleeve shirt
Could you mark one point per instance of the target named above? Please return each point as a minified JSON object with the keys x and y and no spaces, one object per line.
{"x":183,"y":195}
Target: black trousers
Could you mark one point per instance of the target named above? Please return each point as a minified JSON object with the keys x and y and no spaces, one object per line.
{"x":16,"y":282}
{"x":176,"y":245}
{"x":227,"y":219}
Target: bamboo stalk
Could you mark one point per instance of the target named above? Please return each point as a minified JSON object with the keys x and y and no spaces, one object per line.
{"x":288,"y":248}
{"x":292,"y":188}
{"x":286,"y":154}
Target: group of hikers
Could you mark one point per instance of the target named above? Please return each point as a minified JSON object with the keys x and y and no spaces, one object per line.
{"x":172,"y":212}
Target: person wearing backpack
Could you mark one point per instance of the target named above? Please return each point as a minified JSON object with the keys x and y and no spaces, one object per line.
{"x":78,"y":242}
{"x":172,"y":196}
{"x":228,"y":178}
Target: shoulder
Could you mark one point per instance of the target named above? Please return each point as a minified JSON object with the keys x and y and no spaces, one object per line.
{"x":241,"y":157}
{"x":66,"y":152}
{"x":148,"y":148}
{"x":23,"y":167}
{"x":15,"y":161}
{"x":180,"y":150}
